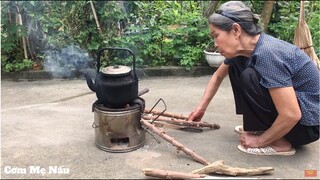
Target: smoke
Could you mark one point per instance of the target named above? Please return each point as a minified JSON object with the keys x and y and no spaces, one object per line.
{"x":66,"y":62}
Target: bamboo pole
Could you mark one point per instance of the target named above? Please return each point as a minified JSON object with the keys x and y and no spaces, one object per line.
{"x":95,"y":17}
{"x":23,"y":38}
{"x":175,"y":143}
{"x":9,"y":16}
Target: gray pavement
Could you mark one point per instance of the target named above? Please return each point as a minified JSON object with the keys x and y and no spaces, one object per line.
{"x":47,"y":124}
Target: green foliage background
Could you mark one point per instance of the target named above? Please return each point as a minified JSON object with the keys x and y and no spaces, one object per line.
{"x":161,"y":33}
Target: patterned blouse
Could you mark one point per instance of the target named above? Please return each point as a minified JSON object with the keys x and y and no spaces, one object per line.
{"x":281,"y":64}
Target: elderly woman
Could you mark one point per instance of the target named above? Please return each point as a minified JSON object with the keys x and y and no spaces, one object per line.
{"x":275,"y":84}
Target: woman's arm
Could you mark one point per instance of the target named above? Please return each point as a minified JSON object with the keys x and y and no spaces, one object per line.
{"x":210,"y":91}
{"x":289,"y":114}
{"x":213,"y":85}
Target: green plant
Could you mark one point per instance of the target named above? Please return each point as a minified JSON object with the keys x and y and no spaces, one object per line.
{"x":286,"y":17}
{"x":176,"y":34}
{"x":161,"y":33}
{"x":13,"y":66}
{"x":284,"y":21}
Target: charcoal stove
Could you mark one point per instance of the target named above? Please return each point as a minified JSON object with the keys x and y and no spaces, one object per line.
{"x":117,"y":112}
{"x":119,"y":129}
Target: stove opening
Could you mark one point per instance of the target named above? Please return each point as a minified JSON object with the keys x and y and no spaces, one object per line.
{"x":120,"y":141}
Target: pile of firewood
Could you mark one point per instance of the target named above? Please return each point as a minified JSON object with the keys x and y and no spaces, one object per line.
{"x":152,"y":118}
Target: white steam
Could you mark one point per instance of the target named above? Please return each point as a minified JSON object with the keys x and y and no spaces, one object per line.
{"x":66,"y":62}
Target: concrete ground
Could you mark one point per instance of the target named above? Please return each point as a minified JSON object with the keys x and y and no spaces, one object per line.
{"x":46,"y":126}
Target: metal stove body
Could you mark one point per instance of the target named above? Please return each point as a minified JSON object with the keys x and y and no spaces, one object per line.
{"x":118,"y":129}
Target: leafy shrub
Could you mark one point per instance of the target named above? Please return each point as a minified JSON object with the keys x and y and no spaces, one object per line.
{"x":178,"y":38}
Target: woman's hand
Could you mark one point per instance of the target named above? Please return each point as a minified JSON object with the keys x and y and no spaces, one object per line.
{"x":196,"y":114}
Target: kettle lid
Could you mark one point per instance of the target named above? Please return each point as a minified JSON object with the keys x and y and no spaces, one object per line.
{"x":116,"y":70}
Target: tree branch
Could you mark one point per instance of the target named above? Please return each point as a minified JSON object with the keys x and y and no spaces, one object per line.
{"x":218,"y":167}
{"x":170,"y":174}
{"x":174,"y":142}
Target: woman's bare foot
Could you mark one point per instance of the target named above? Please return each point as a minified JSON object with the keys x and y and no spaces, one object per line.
{"x":281,"y":145}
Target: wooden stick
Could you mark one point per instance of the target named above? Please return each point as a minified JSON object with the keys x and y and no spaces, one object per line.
{"x":164,"y":174}
{"x":167,"y":114}
{"x":161,"y":124}
{"x":181,"y":122}
{"x":218,"y":167}
{"x":174,"y":142}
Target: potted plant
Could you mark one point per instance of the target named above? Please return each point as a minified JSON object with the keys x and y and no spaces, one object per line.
{"x":212,"y":56}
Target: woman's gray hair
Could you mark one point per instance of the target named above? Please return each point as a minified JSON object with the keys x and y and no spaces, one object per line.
{"x":236,"y":11}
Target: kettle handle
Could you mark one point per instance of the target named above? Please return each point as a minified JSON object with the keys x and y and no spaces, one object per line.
{"x":116,"y":48}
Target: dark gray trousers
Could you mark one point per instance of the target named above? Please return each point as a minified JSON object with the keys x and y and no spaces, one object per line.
{"x":254,"y":102}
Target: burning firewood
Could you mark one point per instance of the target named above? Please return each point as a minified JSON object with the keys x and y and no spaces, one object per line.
{"x":180,"y":122}
{"x":164,"y":174}
{"x":218,"y":167}
{"x":174,"y":142}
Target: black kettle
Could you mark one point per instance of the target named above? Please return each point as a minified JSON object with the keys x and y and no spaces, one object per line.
{"x":115,"y":86}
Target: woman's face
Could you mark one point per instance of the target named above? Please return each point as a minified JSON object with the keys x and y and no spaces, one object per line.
{"x":225,"y":41}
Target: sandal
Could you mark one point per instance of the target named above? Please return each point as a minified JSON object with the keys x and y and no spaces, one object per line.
{"x":239,"y":129}
{"x":266,"y":151}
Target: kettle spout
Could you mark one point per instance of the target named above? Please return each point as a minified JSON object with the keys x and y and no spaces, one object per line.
{"x":90,"y":83}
